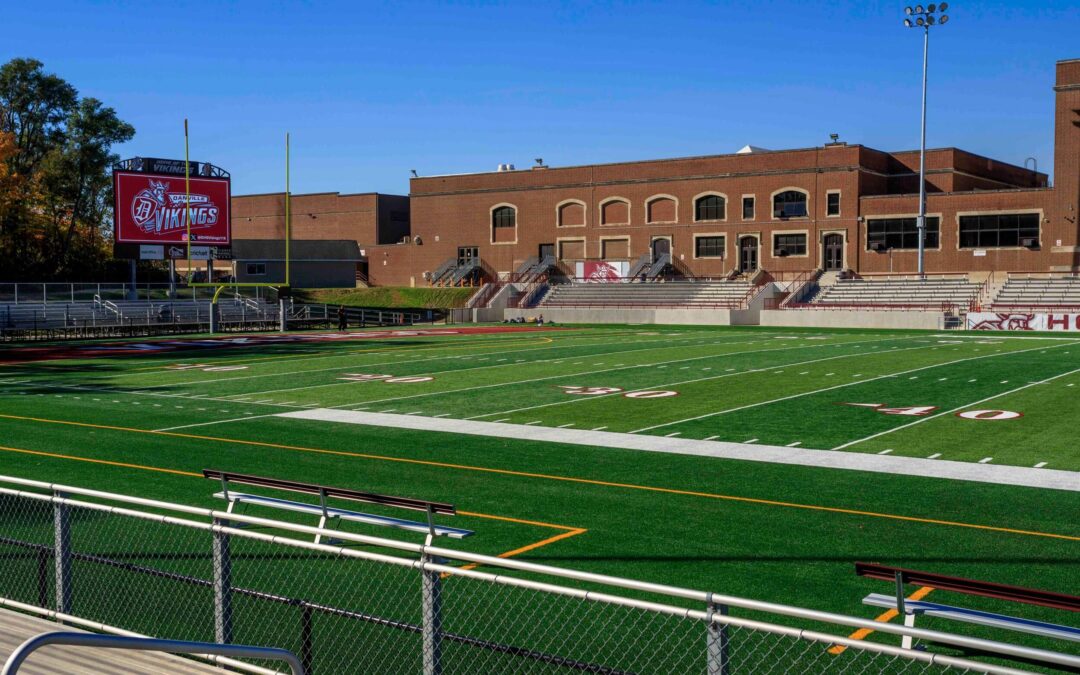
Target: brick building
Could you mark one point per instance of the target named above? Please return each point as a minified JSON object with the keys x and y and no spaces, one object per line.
{"x":837,"y":206}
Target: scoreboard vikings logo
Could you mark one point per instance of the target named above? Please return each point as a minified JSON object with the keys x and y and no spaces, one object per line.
{"x":155,"y":210}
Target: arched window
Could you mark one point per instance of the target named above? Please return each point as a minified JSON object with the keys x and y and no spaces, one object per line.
{"x":614,"y":211}
{"x":570,"y":213}
{"x":789,"y":204}
{"x":710,"y":207}
{"x":504,"y":216}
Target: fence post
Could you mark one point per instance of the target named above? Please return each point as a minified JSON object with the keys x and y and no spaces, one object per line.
{"x":431,"y":583}
{"x":43,"y":576}
{"x":307,"y":639}
{"x":717,"y":661}
{"x":223,"y":628}
{"x":62,"y":554}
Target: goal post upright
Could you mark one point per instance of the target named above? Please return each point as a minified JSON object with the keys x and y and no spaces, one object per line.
{"x":282,"y":288}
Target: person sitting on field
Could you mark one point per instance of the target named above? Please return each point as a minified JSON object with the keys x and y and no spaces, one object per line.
{"x":342,"y":321}
{"x":540,"y":320}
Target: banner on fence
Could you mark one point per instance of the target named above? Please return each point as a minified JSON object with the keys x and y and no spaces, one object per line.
{"x":1049,"y":321}
{"x":602,"y":271}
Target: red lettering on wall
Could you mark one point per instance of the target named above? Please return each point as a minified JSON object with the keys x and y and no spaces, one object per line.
{"x":1057,"y":320}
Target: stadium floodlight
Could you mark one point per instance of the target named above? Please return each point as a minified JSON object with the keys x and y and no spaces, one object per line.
{"x":924,"y":18}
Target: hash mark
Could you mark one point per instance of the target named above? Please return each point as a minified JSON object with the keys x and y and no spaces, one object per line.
{"x":792,"y":445}
{"x":533,"y":422}
{"x":934,"y":456}
{"x":711,"y":437}
{"x":673,"y":433}
{"x":1040,"y":465}
{"x":563,"y":426}
{"x":885,"y":452}
{"x":599,"y":428}
{"x":752,"y":440}
{"x":984,"y":460}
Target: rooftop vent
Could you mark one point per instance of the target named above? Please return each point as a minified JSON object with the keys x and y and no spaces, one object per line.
{"x":506,"y":167}
{"x":750,"y":149}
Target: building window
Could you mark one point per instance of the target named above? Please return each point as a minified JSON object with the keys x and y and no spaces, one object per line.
{"x":832,"y":204}
{"x":710,"y":207}
{"x":883,"y":234}
{"x":789,"y":204}
{"x":708,"y":247}
{"x":615,"y":211}
{"x":504,"y":216}
{"x":747,"y":208}
{"x":1000,"y":230}
{"x":789,"y":244}
{"x":256,"y":269}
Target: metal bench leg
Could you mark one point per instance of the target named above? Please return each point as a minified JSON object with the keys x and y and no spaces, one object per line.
{"x":909,"y":621}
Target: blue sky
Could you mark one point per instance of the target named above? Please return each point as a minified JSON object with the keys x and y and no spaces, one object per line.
{"x":371,"y":90}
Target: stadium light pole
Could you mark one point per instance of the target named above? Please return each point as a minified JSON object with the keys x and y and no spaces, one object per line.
{"x":924,"y":17}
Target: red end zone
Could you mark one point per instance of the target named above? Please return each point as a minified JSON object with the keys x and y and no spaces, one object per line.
{"x":57,"y":352}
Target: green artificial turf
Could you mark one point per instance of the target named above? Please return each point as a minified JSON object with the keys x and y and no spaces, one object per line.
{"x":767,"y":531}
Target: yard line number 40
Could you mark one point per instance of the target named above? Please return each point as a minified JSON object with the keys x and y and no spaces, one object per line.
{"x":921,"y":410}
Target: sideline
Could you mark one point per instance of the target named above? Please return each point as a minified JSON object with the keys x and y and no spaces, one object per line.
{"x":1053,"y":479}
{"x":565,"y":479}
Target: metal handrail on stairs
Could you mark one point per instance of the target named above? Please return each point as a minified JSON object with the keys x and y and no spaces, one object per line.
{"x":144,"y":644}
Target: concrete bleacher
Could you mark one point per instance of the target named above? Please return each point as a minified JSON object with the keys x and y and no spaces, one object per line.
{"x":1038,"y":292}
{"x":730,"y":294}
{"x":931,"y":293}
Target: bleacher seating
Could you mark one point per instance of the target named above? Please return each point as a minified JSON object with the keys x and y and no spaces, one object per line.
{"x":57,"y":315}
{"x":729,"y":294}
{"x":930,"y":293}
{"x":1035,"y":293}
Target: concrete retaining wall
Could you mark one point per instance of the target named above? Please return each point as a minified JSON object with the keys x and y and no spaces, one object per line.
{"x":822,"y":318}
{"x":705,"y":317}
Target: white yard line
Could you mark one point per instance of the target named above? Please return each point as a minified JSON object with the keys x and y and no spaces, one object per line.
{"x":588,"y":372}
{"x":728,"y":373}
{"x":500,"y":363}
{"x":662,"y":344}
{"x":958,"y":408}
{"x":114,"y":392}
{"x":839,"y":386}
{"x":206,"y":424}
{"x":831,"y":459}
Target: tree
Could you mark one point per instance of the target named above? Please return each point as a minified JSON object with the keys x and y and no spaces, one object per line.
{"x":55,"y":174}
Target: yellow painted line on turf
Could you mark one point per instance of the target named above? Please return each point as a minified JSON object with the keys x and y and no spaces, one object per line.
{"x":570,"y":531}
{"x":565,"y":479}
{"x":884,"y":617}
{"x":532,"y":547}
{"x":123,"y":465}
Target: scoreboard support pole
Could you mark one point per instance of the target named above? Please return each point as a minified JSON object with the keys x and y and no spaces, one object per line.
{"x":133,"y":294}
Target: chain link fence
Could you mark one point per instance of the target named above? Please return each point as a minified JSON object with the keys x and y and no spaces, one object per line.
{"x":360,"y":604}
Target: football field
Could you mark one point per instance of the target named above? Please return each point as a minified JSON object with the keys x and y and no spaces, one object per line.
{"x":749,"y":461}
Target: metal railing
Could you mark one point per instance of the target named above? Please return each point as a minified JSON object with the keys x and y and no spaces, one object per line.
{"x":121,"y":564}
{"x":201,"y":649}
{"x":50,"y":293}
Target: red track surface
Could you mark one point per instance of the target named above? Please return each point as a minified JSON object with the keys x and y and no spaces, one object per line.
{"x":128,"y":348}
